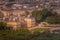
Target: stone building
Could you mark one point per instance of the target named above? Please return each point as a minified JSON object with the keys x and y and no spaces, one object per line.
{"x":30,"y":22}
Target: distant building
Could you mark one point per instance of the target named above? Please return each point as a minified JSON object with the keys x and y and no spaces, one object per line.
{"x":13,"y":25}
{"x":30,"y":22}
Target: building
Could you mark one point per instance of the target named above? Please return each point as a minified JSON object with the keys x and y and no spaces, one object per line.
{"x":30,"y":22}
{"x":13,"y":25}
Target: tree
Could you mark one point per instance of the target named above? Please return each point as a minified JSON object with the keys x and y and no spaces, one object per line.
{"x":23,"y":34}
{"x":3,"y":25}
{"x":19,"y":34}
{"x":26,"y":13}
{"x":53,"y":19}
{"x":40,"y":15}
{"x":45,"y":35}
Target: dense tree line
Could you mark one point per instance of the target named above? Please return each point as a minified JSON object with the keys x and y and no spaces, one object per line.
{"x":40,"y":15}
{"x":53,"y":19}
{"x":25,"y":34}
{"x":3,"y":25}
{"x":47,"y":16}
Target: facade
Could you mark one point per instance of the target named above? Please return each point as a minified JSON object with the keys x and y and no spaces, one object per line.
{"x":13,"y":18}
{"x":30,"y":22}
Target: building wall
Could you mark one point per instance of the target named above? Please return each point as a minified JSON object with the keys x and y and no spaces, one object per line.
{"x":30,"y":22}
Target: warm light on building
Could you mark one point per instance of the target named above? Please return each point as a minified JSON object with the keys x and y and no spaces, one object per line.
{"x":12,"y":24}
{"x":30,"y":22}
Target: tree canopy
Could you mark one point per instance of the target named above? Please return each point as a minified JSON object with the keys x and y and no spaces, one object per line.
{"x":3,"y":25}
{"x":40,"y":15}
{"x":53,"y":19}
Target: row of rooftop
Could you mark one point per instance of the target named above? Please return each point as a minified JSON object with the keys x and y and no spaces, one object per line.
{"x":30,"y":4}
